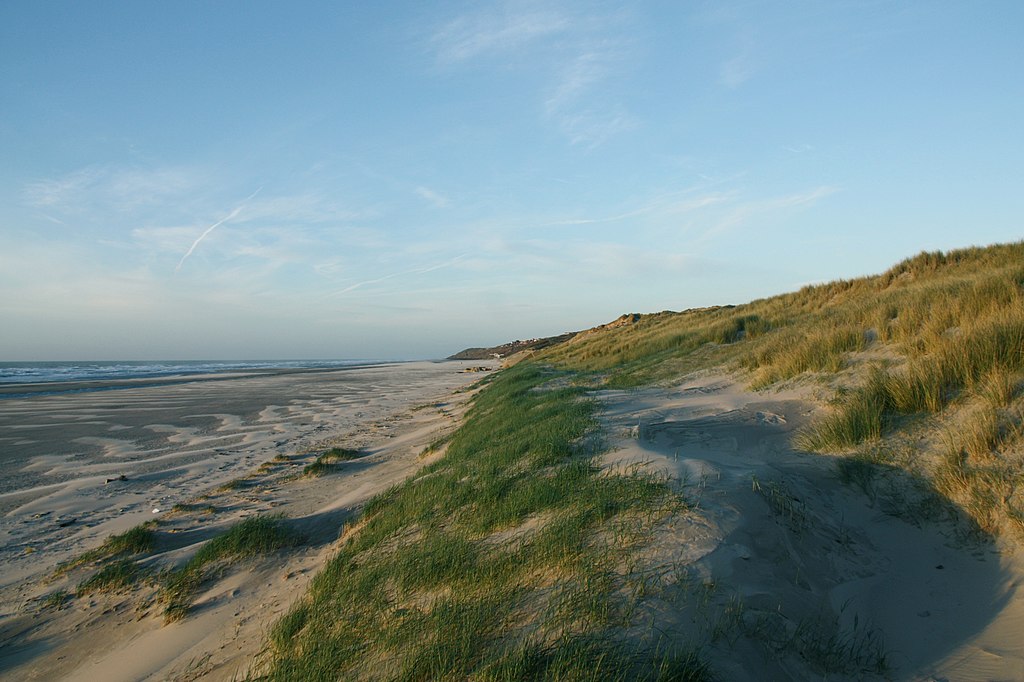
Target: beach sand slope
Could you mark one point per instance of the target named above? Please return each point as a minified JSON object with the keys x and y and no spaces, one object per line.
{"x":780,"y":571}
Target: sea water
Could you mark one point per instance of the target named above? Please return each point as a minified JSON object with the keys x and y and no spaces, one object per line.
{"x":46,"y":372}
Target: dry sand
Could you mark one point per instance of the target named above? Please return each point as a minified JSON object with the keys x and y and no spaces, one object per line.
{"x":176,"y":444}
{"x":786,"y":571}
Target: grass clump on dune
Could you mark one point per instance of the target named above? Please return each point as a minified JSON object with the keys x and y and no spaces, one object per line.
{"x":138,"y":540}
{"x":795,"y":352}
{"x":494,"y":562}
{"x":194,"y":507}
{"x":981,"y":468}
{"x":114,"y":560}
{"x":325,"y":461}
{"x":118,"y":575}
{"x":235,"y":484}
{"x":56,"y":600}
{"x":118,"y":567}
{"x":253,"y":536}
{"x":984,"y":360}
{"x":861,"y":417}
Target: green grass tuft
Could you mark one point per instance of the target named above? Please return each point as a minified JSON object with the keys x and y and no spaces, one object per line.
{"x":235,"y":484}
{"x":325,"y":462}
{"x":861,"y":417}
{"x":118,"y":575}
{"x":138,"y":540}
{"x":56,"y":600}
{"x":254,"y":536}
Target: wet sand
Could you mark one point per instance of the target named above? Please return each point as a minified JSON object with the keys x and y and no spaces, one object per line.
{"x":62,"y":456}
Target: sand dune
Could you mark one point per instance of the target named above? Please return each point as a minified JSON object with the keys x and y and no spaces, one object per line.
{"x":777,"y":549}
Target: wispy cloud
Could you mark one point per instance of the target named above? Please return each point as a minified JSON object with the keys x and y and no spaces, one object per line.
{"x":746,"y":212}
{"x":432,"y":197}
{"x":131,"y":215}
{"x":412,"y":271}
{"x":591,"y":128}
{"x":58,"y":191}
{"x":801,"y":198}
{"x":583,"y":101}
{"x":736,"y":71}
{"x":495,"y":29}
{"x":667,"y":205}
{"x":531,"y":264}
{"x":595,"y":221}
{"x":309,"y":207}
{"x":121,"y":189}
{"x":107,"y":194}
{"x":576,"y":78}
{"x":736,"y":28}
{"x":234,"y":213}
{"x":576,"y":56}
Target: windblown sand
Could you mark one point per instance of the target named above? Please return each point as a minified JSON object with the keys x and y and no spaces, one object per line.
{"x":177,"y":445}
{"x":780,"y":570}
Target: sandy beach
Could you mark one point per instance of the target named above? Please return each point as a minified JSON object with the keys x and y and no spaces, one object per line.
{"x":176,"y":442}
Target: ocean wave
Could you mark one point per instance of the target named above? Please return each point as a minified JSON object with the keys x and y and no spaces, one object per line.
{"x":48,"y":372}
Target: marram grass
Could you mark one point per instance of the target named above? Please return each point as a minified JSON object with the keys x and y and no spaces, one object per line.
{"x":326,"y":461}
{"x":942,"y":330}
{"x":138,"y":540}
{"x":253,"y":536}
{"x":489,"y":564}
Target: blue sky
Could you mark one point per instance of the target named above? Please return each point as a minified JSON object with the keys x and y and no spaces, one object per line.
{"x":401,"y":180}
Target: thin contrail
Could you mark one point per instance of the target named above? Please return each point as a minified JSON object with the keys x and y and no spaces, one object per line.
{"x":416,"y":271}
{"x":211,"y":228}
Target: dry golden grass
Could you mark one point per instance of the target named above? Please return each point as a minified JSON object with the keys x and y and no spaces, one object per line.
{"x":931,"y":336}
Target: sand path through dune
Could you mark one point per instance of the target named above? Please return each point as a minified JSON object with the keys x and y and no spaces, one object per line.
{"x":786,"y":573}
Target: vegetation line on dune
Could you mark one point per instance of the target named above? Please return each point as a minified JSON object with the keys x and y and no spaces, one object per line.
{"x":117,"y":563}
{"x":935,"y":344}
{"x":501,"y":561}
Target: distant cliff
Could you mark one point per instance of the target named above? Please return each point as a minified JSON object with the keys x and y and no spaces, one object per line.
{"x":507,"y":349}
